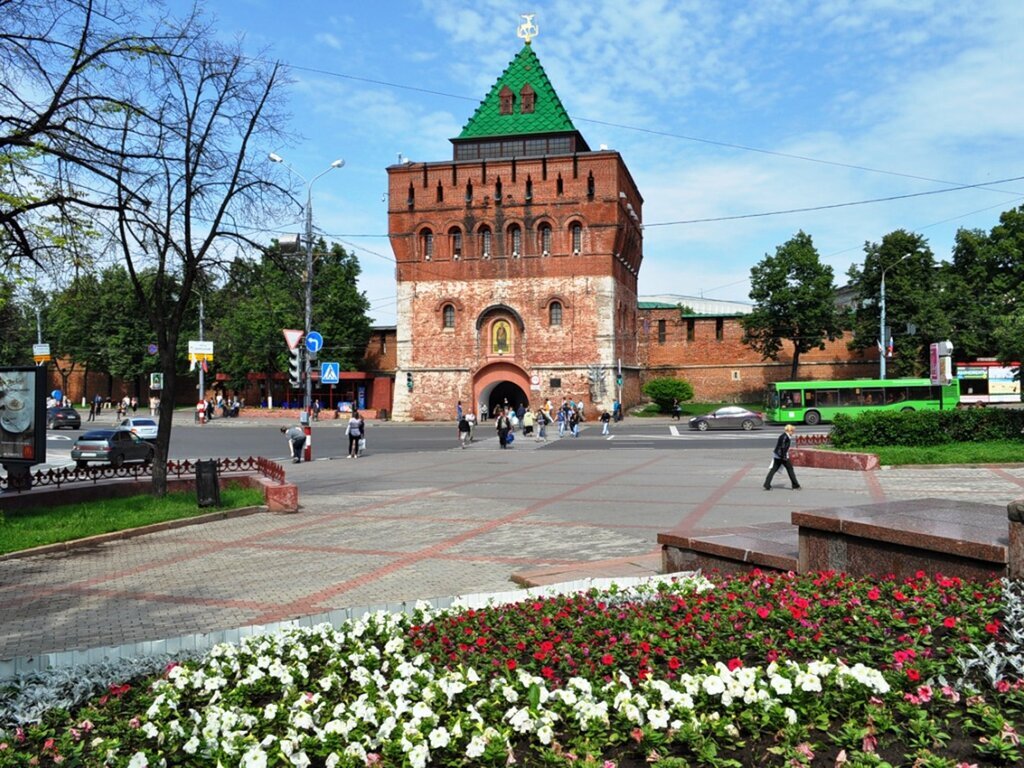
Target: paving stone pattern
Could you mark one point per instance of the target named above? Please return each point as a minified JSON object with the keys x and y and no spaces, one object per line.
{"x":424,"y":525}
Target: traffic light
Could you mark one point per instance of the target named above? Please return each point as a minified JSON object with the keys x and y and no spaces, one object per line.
{"x":295,"y":367}
{"x":408,"y":381}
{"x":618,"y":380}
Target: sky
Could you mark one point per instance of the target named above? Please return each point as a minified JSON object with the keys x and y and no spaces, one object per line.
{"x":723,"y":110}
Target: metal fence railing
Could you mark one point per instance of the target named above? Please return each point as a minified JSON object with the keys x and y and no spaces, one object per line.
{"x":176,"y":469}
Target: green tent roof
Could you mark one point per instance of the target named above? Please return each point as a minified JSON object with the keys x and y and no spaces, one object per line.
{"x":548,"y":116}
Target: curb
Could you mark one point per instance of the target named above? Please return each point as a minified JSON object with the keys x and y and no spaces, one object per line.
{"x":131,"y":533}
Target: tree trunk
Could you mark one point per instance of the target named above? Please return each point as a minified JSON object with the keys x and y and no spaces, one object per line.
{"x":796,"y":363}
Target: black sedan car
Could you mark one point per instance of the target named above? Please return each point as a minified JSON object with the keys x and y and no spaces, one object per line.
{"x":56,"y":418}
{"x":729,"y":417}
{"x":111,"y":446}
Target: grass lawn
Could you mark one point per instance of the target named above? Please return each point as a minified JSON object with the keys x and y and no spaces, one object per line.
{"x":36,"y":527}
{"x":992,"y":452}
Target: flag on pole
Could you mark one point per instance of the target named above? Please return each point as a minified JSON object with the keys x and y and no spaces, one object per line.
{"x":890,"y":347}
{"x":206,"y":368}
{"x":881,"y":349}
{"x":191,"y":363}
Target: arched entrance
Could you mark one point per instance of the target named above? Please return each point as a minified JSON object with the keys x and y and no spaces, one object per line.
{"x":501,"y":384}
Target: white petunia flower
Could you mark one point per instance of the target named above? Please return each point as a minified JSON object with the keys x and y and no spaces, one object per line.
{"x":714,"y":685}
{"x":476,"y":747}
{"x":139,"y":760}
{"x":190,"y":746}
{"x":270,"y":712}
{"x":254,"y":758}
{"x":658,"y":718}
{"x":781,"y":685}
{"x":419,"y":756}
{"x":439,"y":738}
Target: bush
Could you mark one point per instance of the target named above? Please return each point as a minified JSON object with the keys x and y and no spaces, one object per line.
{"x":664,"y":390}
{"x":919,"y":428}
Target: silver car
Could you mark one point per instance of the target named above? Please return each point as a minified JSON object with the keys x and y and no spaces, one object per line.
{"x":729,"y":417}
{"x":111,"y":446}
{"x":143,"y":427}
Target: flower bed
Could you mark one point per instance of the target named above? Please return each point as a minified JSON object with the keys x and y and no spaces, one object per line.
{"x":753,"y":670}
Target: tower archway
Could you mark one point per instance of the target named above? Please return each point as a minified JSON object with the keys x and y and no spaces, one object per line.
{"x":501,"y":384}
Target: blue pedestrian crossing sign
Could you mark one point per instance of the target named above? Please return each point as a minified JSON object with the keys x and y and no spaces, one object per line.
{"x":329,"y":373}
{"x":314,"y":342}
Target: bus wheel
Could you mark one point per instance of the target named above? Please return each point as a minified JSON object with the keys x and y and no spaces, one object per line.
{"x":906,"y":410}
{"x":812,"y":418}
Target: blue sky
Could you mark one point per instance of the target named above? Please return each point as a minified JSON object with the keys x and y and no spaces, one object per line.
{"x":720,"y":109}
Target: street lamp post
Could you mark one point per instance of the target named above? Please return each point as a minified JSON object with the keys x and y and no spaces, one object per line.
{"x":881,"y":315}
{"x":202,"y":372}
{"x":307,"y":400}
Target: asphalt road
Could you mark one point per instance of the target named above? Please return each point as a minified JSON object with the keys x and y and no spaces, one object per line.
{"x":229,"y":438}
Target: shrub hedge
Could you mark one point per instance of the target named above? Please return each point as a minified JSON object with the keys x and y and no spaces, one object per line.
{"x":918,"y":428}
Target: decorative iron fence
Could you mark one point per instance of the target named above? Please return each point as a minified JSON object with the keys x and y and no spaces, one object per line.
{"x":809,"y":440}
{"x":177,"y":469}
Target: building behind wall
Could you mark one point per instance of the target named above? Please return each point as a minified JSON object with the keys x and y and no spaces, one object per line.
{"x":517,"y":261}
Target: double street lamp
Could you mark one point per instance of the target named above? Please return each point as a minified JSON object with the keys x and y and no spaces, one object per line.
{"x":307,"y":401}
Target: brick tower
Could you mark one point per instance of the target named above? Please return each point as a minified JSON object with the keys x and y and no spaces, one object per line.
{"x":517,"y":262}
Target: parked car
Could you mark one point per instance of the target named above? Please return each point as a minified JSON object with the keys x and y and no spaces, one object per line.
{"x":144,"y":428}
{"x":62,"y":417}
{"x":729,"y":417}
{"x":111,"y":446}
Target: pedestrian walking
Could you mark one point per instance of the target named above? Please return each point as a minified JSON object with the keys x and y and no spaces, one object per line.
{"x":503,"y":425}
{"x":354,"y":430}
{"x":464,"y":431}
{"x":542,"y":426}
{"x":296,"y":437}
{"x":458,"y":411}
{"x":92,"y":411}
{"x":605,"y":421}
{"x":561,"y":422}
{"x":574,"y":423}
{"x":780,"y":458}
{"x":677,"y":409}
{"x":528,"y":422}
{"x":471,"y":418}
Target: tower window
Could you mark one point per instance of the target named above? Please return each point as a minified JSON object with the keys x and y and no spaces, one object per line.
{"x":448,"y":315}
{"x":529,"y":189}
{"x":515,"y":240}
{"x":427,"y":244}
{"x":661,"y":331}
{"x":440,"y":193}
{"x":559,"y":186}
{"x":719,"y":329}
{"x":506,"y":98}
{"x":590,"y":185}
{"x":469,"y":192}
{"x":690,"y":328}
{"x":497,"y":192}
{"x":544,"y":239}
{"x":455,"y":242}
{"x":485,"y":242}
{"x":410,"y":201}
{"x":577,"y":238}
{"x":555,"y":313}
{"x":526,"y":99}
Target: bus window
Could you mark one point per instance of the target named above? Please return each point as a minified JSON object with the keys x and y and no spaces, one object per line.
{"x":792,"y":399}
{"x":828,"y":398}
{"x":920,"y":393}
{"x":873,"y":396}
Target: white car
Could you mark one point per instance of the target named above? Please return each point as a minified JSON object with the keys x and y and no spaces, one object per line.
{"x":144,"y":428}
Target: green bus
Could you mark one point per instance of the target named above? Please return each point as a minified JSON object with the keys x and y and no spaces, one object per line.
{"x":814,"y":402}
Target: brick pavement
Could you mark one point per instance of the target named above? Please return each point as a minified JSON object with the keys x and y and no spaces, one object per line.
{"x":421,"y":525}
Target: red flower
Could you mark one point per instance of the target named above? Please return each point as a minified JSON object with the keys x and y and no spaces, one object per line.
{"x":874,"y":594}
{"x":510,"y":664}
{"x":734,"y":664}
{"x":992,"y":627}
{"x":674,"y":663}
{"x":481,"y":642}
{"x":607,"y":659}
{"x":949,"y":622}
{"x":764,"y":611}
{"x":913,"y":674}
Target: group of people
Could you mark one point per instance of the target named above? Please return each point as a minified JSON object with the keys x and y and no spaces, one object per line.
{"x":568,"y":417}
{"x":207,"y":407}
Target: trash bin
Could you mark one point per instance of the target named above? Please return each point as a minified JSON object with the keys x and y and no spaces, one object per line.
{"x":207,"y":483}
{"x":383,"y":414}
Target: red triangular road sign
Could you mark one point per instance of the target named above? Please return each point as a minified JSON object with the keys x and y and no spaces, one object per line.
{"x":292,"y":337}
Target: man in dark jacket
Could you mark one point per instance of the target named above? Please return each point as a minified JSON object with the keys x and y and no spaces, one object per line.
{"x":780,"y":458}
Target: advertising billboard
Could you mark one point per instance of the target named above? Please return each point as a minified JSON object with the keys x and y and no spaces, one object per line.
{"x":23,"y":415}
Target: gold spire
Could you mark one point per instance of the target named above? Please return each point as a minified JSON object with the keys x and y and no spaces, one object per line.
{"x":527,"y":30}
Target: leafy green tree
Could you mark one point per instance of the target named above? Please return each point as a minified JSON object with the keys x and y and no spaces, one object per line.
{"x":912,"y":305}
{"x":794,"y":301}
{"x":1008,"y":339}
{"x":17,"y":327}
{"x":73,"y":322}
{"x":260,"y":298}
{"x":982,"y":283}
{"x":666,"y":389}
